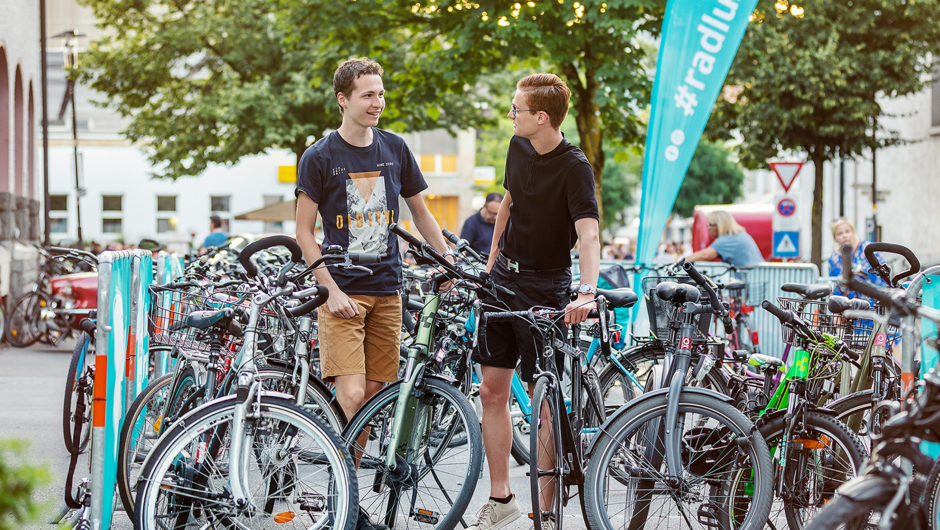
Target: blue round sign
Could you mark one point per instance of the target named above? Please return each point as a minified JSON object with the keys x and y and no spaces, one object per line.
{"x":786,"y":207}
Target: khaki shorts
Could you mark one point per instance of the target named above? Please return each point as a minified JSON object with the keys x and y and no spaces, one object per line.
{"x":365,"y":344}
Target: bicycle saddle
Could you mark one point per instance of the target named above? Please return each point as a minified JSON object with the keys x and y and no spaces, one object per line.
{"x":759,"y":359}
{"x":837,"y":304}
{"x":203,"y":319}
{"x":678,"y":293}
{"x":622,"y":297}
{"x":735,"y":285}
{"x":812,"y":291}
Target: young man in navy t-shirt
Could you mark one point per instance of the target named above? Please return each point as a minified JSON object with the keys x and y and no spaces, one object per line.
{"x":352,"y":178}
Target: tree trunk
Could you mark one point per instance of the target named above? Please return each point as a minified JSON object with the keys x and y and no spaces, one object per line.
{"x":817,"y":232}
{"x":589,"y":127}
{"x":298,"y":146}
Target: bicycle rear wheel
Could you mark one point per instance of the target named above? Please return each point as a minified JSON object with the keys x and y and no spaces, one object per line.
{"x":628,"y":485}
{"x":22,"y":326}
{"x":141,"y":428}
{"x":546,"y":461}
{"x":296,"y":472}
{"x":81,"y":366}
{"x":438,"y":459}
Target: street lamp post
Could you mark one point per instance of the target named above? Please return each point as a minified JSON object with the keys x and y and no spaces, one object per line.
{"x":70,"y":49}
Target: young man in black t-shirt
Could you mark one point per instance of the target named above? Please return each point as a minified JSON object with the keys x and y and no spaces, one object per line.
{"x":352,"y":178}
{"x":548,"y":206}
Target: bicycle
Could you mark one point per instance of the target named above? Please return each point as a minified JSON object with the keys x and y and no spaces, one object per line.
{"x":253,"y":459}
{"x":670,"y":445}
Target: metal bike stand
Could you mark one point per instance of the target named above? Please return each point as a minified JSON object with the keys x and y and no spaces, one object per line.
{"x":105,"y":262}
{"x":914,"y":290}
{"x":130,"y":359}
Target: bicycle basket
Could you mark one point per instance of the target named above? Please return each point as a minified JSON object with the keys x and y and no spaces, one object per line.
{"x":858,"y":331}
{"x":662,"y":312}
{"x":169,"y":309}
{"x":815,"y":313}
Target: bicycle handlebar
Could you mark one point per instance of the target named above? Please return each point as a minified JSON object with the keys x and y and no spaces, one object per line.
{"x":323,"y":294}
{"x":882,"y":269}
{"x":296,"y":254}
{"x":450,"y":236}
{"x":712,"y":296}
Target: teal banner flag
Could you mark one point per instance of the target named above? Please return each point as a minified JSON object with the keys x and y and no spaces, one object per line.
{"x":699,"y":41}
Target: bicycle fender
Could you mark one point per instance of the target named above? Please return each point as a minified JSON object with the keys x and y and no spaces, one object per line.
{"x":869,"y":489}
{"x":656,"y":393}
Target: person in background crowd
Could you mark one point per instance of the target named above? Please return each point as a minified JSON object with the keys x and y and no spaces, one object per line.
{"x":478,"y":228}
{"x":843,"y":233}
{"x":732,"y":244}
{"x":216,"y":236}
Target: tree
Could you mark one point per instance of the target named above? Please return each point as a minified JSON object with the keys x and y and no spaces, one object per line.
{"x":809,"y":78}
{"x":19,"y":482}
{"x":212,"y":81}
{"x":713,"y":178}
{"x":600,"y":47}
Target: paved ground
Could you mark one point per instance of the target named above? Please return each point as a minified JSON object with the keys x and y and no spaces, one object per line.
{"x":32,"y":384}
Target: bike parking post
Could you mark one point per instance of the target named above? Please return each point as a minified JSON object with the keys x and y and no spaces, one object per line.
{"x":122,"y":280}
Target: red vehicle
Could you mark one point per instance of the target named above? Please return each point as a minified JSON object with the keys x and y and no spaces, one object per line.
{"x":757,"y":219}
{"x":57,"y":302}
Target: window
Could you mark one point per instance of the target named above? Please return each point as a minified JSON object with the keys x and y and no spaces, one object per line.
{"x":111,"y":203}
{"x":428,"y":163}
{"x":448,"y":163}
{"x":219,"y":203}
{"x":58,"y":226}
{"x":59,"y":203}
{"x":166,"y":203}
{"x":271,"y":200}
{"x":165,"y":225}
{"x":111,"y":225}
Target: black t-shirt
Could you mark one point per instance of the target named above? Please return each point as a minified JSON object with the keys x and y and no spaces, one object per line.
{"x":356,"y":190}
{"x":478,"y":233}
{"x":549,"y":193}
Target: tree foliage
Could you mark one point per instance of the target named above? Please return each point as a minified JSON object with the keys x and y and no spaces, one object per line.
{"x":809,"y":78}
{"x":18,"y":483}
{"x":713,"y":178}
{"x":212,"y":81}
{"x":597,"y":46}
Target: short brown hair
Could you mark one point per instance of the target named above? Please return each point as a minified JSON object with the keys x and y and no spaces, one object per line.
{"x":546,"y":93}
{"x":344,"y":79}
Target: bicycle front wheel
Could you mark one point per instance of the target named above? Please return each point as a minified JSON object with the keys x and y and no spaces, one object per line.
{"x":437,"y":461}
{"x":296,"y":472}
{"x":547,"y":457}
{"x":83,"y":359}
{"x":628,"y":483}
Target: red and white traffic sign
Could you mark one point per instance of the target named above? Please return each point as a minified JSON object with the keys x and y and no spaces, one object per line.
{"x":785,"y":217}
{"x":786,"y":172}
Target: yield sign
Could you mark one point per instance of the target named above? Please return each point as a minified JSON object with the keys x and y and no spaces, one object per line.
{"x":786,"y":172}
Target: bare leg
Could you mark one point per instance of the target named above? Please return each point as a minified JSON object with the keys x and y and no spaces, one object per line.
{"x":497,"y":427}
{"x":546,"y":458}
{"x":351,"y":392}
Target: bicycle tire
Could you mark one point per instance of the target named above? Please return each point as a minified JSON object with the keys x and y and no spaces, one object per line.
{"x":547,"y":457}
{"x":86,"y":356}
{"x":645,"y":357}
{"x":149,"y":402}
{"x":720,"y":442}
{"x":319,"y":400}
{"x":931,"y":497}
{"x":616,"y":389}
{"x":825,"y":469}
{"x":855,"y":411}
{"x":321,"y":475}
{"x":22,"y":326}
{"x":843,"y":512}
{"x":445,"y":411}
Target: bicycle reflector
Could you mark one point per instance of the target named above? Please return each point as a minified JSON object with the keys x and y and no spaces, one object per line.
{"x":283,"y":517}
{"x":755,"y":340}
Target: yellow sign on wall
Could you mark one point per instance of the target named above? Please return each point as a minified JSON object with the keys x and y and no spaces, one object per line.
{"x":287,"y":173}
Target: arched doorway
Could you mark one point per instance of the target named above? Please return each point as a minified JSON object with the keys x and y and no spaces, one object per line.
{"x":4,"y":122}
{"x":19,"y":146}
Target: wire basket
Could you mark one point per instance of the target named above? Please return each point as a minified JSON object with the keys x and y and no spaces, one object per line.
{"x":663,"y":312}
{"x":170,"y":307}
{"x":858,"y":332}
{"x":816,"y":314}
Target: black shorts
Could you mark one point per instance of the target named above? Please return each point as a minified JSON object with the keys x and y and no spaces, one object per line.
{"x":506,"y":342}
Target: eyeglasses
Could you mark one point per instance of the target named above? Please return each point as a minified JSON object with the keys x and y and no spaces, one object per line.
{"x":515,"y":111}
{"x":712,"y":225}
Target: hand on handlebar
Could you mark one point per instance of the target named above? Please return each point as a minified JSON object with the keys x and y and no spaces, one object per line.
{"x":577,"y":311}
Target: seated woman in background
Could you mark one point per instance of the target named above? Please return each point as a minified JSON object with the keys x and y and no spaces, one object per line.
{"x":732,"y":243}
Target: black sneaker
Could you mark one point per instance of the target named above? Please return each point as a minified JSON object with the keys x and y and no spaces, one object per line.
{"x":364,"y":523}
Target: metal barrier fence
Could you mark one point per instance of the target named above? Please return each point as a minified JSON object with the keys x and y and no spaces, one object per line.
{"x":764,"y":282}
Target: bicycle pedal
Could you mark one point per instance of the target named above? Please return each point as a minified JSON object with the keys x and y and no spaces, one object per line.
{"x":708,"y":516}
{"x":426,"y":516}
{"x":312,"y":502}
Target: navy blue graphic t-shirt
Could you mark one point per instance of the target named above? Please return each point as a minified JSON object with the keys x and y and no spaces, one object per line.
{"x":356,"y":190}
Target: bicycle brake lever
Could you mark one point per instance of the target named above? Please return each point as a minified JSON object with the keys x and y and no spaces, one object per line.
{"x":359,"y":268}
